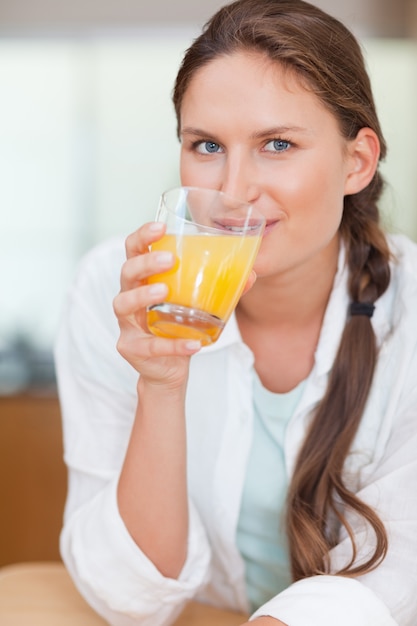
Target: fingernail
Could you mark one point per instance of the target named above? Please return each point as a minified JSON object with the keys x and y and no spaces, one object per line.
{"x":164,"y":258}
{"x":193,"y":345}
{"x":156,"y":226}
{"x":158,"y":289}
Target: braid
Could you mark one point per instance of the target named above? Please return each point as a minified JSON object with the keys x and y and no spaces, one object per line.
{"x":317,"y":480}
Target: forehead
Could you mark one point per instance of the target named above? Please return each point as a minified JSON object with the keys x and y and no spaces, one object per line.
{"x":249,"y":61}
{"x":250,"y":85}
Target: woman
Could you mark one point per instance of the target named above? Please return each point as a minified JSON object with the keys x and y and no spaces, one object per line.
{"x":274,"y":471}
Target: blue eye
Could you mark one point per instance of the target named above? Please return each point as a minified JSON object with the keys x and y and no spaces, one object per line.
{"x":208,"y":147}
{"x":277,"y":145}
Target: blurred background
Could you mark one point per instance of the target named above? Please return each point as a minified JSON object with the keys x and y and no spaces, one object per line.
{"x":87,"y":139}
{"x":87,"y":144}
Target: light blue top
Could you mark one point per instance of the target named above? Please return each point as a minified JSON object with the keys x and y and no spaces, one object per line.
{"x":260,"y":533}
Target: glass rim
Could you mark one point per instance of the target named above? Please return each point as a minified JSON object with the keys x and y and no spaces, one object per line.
{"x":258,"y":220}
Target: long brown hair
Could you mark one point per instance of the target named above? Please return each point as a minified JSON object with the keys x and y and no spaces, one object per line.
{"x":328,"y":59}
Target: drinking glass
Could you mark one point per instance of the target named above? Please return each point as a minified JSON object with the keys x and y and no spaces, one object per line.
{"x":214,"y":239}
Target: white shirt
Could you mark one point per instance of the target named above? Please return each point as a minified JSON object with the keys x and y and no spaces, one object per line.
{"x":98,"y":398}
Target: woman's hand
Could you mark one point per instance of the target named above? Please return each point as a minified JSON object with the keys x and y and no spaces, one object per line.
{"x":158,"y":360}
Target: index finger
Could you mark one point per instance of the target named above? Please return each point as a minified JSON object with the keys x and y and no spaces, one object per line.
{"x":139,"y":241}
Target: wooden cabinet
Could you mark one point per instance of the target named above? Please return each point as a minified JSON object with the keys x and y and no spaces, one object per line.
{"x":32,"y":478}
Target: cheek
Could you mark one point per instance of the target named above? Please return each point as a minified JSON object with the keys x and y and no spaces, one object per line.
{"x":322,"y":190}
{"x":190,"y":173}
{"x":199,"y":174}
{"x":313,"y":203}
{"x":183,"y":170}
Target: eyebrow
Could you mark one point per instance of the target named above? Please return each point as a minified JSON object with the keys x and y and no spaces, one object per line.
{"x":267,"y":132}
{"x":190,"y":130}
{"x":278,"y":130}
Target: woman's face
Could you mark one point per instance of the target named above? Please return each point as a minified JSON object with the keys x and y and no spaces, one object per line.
{"x":249,"y":128}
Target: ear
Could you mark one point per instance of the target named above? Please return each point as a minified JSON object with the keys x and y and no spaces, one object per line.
{"x":363,"y":160}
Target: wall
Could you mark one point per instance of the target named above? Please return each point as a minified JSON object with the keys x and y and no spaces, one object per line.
{"x":378,"y":18}
{"x":87,"y":143}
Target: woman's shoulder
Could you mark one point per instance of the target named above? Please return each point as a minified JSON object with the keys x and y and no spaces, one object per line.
{"x":403,"y":267}
{"x":404,"y":252}
{"x":95,"y":284}
{"x":98,"y":272}
{"x":400,"y":300}
{"x":105,"y":257}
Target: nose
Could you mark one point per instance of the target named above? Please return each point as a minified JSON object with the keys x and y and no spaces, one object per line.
{"x":239,"y":178}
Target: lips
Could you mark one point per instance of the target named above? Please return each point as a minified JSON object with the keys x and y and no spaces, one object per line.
{"x":270,"y":224}
{"x":237,"y":227}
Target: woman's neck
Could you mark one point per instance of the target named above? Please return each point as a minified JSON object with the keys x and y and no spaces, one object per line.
{"x":294,"y":297}
{"x":280,"y":319}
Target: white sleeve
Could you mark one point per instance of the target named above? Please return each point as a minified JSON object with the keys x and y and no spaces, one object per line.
{"x":115,"y":577}
{"x":386,"y":596}
{"x":97,"y":395}
{"x":327,"y":601}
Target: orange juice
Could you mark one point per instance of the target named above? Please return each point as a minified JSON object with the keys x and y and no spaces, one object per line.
{"x":207,"y":279}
